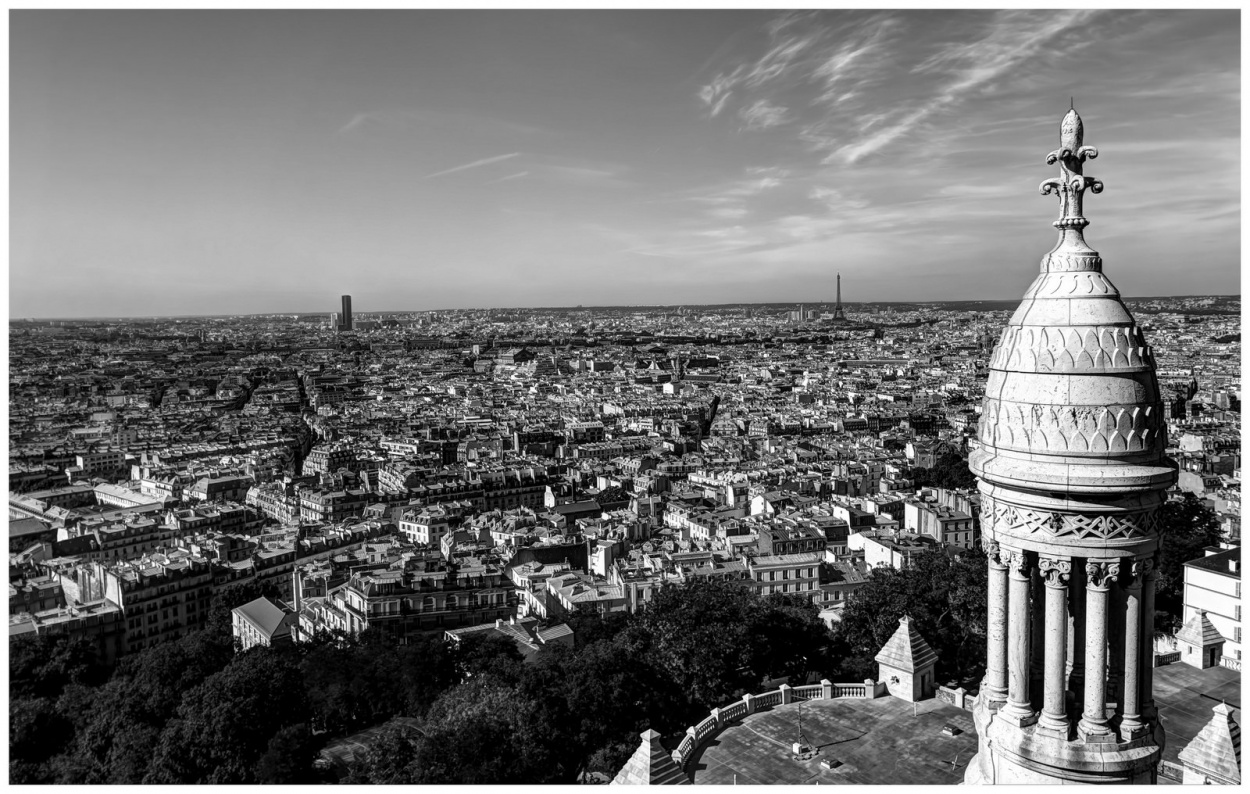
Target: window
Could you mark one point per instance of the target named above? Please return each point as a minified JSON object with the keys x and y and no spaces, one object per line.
{"x":1237,"y":612}
{"x":1237,"y":634}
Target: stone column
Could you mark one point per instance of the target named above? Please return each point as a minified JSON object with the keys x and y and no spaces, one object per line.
{"x":1150,"y":573}
{"x":1099,"y":577}
{"x":1054,"y":573}
{"x":1076,"y":636}
{"x":1018,"y":708}
{"x":1131,"y":724}
{"x":1037,"y":637}
{"x":1115,"y":646}
{"x":995,"y":686}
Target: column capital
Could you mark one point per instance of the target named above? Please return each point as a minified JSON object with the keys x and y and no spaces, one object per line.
{"x":1017,"y":562}
{"x":994,"y":553}
{"x":1055,"y":571}
{"x":1099,"y":574}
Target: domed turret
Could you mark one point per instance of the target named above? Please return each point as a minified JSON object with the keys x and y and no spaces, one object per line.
{"x":1070,"y":458}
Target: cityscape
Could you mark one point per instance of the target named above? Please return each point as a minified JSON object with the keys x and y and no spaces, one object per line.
{"x":770,"y":523}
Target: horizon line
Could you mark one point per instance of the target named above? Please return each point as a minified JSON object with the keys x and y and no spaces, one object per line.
{"x":576,"y":307}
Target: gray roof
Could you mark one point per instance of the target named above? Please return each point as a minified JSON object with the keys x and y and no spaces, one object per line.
{"x":1216,"y":750}
{"x":650,"y":765}
{"x":262,"y":613}
{"x":1199,"y":631}
{"x":906,"y":650}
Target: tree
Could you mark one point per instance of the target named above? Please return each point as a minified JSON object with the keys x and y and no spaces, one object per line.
{"x":120,"y":722}
{"x":598,"y":699}
{"x":482,"y":653}
{"x":357,"y":684}
{"x":944,"y":597}
{"x":41,"y":666}
{"x":718,"y":640}
{"x":483,"y":731}
{"x":226,"y":723}
{"x":289,"y":757}
{"x":37,"y":731}
{"x":1189,"y":527}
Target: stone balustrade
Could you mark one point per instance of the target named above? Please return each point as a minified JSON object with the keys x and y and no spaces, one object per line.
{"x":697,"y":735}
{"x":1162,"y":659}
{"x":1230,"y":663}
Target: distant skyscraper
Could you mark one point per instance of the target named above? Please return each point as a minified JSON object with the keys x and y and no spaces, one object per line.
{"x":347,"y":312}
{"x":1072,"y":474}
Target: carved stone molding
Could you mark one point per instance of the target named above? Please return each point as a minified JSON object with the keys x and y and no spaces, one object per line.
{"x":1055,"y":571}
{"x":993,"y":552}
{"x":1070,"y":430}
{"x":1017,"y":562}
{"x":1100,"y":575}
{"x":1022,"y":520}
{"x":1088,"y":348}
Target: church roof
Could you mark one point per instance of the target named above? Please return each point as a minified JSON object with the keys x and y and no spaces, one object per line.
{"x":1216,"y":749}
{"x":906,"y":650}
{"x":1199,"y":631}
{"x":650,"y":765}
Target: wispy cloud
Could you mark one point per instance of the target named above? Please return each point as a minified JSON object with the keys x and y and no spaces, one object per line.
{"x":762,"y":115}
{"x":510,"y":177}
{"x":474,"y":164}
{"x":840,"y":72}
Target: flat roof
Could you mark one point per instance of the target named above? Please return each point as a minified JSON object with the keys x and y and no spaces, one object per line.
{"x":1185,"y":696}
{"x":876,"y":741}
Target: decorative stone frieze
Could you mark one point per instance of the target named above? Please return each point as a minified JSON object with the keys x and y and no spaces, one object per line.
{"x":1015,"y":520}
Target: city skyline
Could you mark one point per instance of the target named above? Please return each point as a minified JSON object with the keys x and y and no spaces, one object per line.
{"x":193,"y":163}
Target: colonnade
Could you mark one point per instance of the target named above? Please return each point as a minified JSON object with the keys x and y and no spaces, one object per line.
{"x":1069,"y":640}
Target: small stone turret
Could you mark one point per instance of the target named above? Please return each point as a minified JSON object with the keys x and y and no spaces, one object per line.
{"x":1070,"y":460}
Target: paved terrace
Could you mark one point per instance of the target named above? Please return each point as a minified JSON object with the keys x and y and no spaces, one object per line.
{"x":1185,"y":696}
{"x":877,"y":741}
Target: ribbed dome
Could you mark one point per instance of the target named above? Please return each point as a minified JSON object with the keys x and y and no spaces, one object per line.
{"x":1072,"y":404}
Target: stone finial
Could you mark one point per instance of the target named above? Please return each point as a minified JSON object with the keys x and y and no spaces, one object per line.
{"x":1072,"y":253}
{"x":1071,"y":183}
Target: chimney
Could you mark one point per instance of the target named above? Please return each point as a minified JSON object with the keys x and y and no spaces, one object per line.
{"x":499,"y":623}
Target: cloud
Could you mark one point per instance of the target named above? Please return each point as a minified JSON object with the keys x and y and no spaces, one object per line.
{"x":763,"y":115}
{"x":474,"y":164}
{"x":509,"y":177}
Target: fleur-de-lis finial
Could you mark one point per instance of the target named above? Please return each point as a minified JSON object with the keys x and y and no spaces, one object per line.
{"x":1071,"y":183}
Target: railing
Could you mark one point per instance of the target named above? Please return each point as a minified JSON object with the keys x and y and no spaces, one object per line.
{"x":736,"y":711}
{"x":697,"y":735}
{"x":1162,"y":659}
{"x":1230,"y":663}
{"x":704,"y":728}
{"x":768,"y":699}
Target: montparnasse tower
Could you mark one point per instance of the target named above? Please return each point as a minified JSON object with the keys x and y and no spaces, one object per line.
{"x":1070,"y":459}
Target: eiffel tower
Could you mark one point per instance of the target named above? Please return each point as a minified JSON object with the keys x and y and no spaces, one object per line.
{"x":838,"y":315}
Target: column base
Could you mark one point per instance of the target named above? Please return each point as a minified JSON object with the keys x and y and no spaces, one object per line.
{"x":1017,"y":716}
{"x":1053,"y":727}
{"x":1096,"y":734}
{"x":1130,"y":730}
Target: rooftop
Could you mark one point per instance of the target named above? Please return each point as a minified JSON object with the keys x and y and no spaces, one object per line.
{"x":876,"y":741}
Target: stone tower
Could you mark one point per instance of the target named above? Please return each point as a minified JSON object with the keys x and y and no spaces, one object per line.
{"x":1070,"y":459}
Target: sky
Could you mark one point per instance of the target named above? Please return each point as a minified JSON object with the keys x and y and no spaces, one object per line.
{"x":221,"y":162}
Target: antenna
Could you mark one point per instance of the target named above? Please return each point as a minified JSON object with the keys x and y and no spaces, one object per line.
{"x":1071,"y":103}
